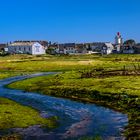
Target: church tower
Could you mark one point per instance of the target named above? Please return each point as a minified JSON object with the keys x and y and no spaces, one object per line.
{"x":118,"y":41}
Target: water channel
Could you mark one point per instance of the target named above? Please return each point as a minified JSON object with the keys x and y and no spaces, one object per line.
{"x":76,"y":119}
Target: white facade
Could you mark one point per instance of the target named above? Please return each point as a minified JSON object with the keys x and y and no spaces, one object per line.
{"x":118,"y":42}
{"x":118,"y":48}
{"x":107,"y":48}
{"x":33,"y":48}
{"x":38,"y":49}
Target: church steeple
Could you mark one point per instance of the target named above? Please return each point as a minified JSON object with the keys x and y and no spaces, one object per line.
{"x":118,"y":39}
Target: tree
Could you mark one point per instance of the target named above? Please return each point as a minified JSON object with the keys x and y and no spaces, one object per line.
{"x":130,"y":42}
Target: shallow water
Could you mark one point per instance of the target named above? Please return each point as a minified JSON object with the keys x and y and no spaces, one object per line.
{"x":76,"y":119}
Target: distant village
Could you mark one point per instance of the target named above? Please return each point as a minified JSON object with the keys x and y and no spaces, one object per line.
{"x":37,"y":47}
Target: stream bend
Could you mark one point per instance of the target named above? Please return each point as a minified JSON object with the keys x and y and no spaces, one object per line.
{"x":76,"y":119}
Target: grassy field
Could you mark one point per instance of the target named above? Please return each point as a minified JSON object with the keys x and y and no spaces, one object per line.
{"x":24,"y":63}
{"x":112,"y":81}
{"x":13,"y":115}
{"x":4,"y":75}
{"x":71,"y":80}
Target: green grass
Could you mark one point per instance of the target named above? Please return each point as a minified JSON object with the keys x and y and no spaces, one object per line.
{"x":13,"y":115}
{"x":117,"y":92}
{"x":114,"y":85}
{"x":6,"y":75}
{"x":28,"y":63}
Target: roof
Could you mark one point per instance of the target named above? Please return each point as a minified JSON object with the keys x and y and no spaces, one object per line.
{"x":67,"y":45}
{"x":53,"y":46}
{"x":2,"y":46}
{"x":28,"y":43}
{"x":137,"y":46}
{"x":109,"y":45}
{"x":96,"y":43}
{"x":81,"y":46}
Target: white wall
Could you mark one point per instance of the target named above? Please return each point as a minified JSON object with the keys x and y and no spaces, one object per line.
{"x":38,"y":49}
{"x":35,"y":49}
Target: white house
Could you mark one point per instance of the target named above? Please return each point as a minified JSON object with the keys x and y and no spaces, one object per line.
{"x":107,"y":48}
{"x":100,"y":47}
{"x":27,"y":47}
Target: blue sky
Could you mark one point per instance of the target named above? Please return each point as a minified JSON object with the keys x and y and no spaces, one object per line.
{"x":69,"y":20}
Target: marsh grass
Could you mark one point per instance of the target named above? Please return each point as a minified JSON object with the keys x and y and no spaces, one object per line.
{"x":119,"y":93}
{"x":14,"y":115}
{"x":28,"y":63}
{"x":115,"y":91}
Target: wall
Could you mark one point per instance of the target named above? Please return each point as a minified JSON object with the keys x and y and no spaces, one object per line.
{"x":38,"y":49}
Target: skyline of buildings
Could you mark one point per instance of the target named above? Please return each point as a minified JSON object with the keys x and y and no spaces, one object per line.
{"x":37,"y":47}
